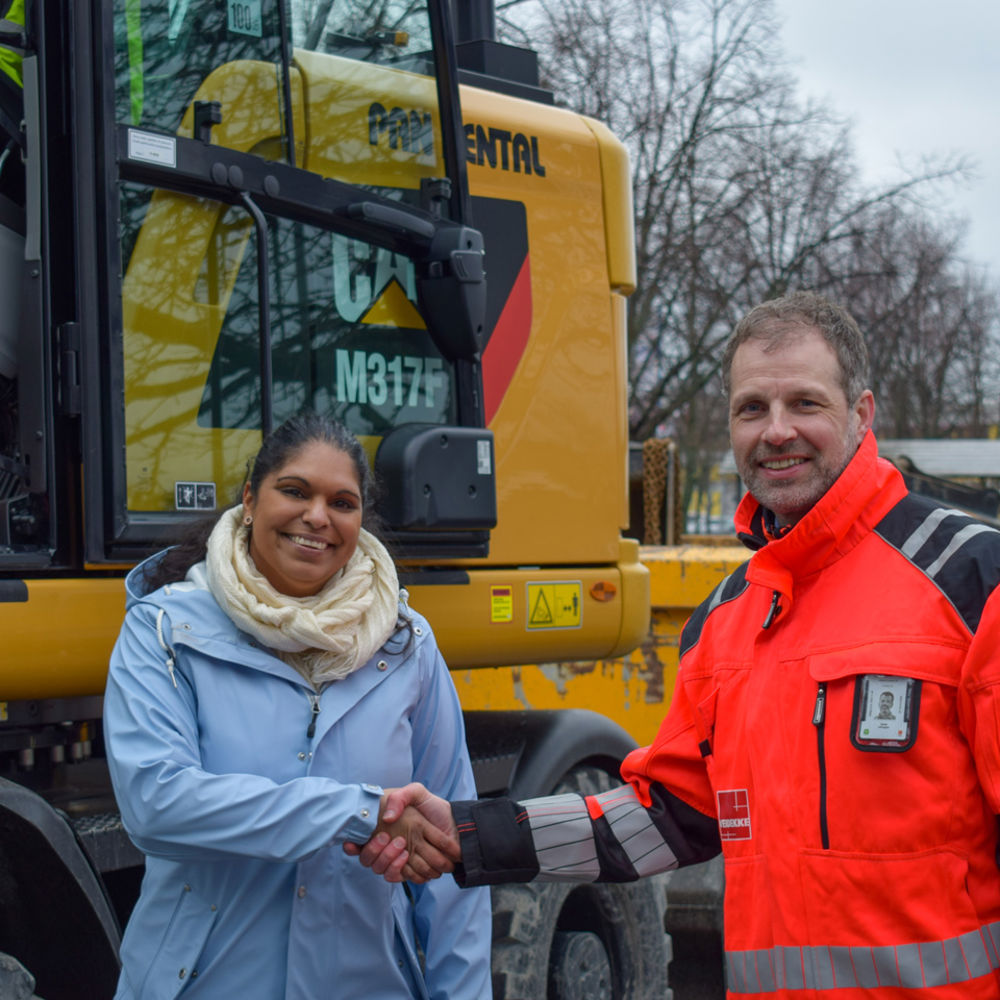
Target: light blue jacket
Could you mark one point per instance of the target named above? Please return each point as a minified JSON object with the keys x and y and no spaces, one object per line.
{"x":242,"y":815}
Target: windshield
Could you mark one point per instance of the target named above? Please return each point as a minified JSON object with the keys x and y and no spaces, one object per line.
{"x":335,"y":87}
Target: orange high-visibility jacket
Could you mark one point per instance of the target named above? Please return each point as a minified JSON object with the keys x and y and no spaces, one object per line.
{"x":837,"y":725}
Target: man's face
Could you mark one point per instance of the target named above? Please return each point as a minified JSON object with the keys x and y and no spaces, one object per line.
{"x":792,"y":428}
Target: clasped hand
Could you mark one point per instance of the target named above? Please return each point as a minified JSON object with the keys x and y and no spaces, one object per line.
{"x":416,"y":839}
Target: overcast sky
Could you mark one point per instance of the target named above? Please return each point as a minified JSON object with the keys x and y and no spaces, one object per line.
{"x":914,"y":77}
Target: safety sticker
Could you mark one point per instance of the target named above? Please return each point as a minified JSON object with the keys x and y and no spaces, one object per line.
{"x":501,"y":604}
{"x":194,"y":496}
{"x":555,"y":605}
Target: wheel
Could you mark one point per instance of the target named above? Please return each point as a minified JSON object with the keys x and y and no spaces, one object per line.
{"x":581,"y":941}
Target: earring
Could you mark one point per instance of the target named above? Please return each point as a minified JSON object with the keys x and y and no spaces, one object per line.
{"x":248,"y":520}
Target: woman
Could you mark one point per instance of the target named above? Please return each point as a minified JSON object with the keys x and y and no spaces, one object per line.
{"x":263,"y":688}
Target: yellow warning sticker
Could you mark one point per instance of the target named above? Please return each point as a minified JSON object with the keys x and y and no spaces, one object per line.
{"x":501,"y":604}
{"x":555,"y":605}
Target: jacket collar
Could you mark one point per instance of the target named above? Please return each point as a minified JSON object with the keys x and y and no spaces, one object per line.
{"x":867,"y":489}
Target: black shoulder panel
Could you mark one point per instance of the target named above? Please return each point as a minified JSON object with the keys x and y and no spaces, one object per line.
{"x":959,"y":554}
{"x":728,"y":590}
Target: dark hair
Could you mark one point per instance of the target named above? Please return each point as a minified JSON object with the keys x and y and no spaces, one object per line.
{"x":276,"y":450}
{"x":777,"y":318}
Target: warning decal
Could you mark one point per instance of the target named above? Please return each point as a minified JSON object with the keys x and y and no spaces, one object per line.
{"x":555,"y":605}
{"x":501,"y":604}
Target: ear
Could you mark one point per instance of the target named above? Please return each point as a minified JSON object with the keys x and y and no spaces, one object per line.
{"x":864,"y":410}
{"x":247,"y":498}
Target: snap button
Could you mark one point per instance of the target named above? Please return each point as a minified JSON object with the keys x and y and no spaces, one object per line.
{"x":182,"y":974}
{"x":364,"y":814}
{"x":186,"y":627}
{"x":382,"y":665}
{"x":417,"y":630}
{"x":302,"y":756}
{"x":302,"y":892}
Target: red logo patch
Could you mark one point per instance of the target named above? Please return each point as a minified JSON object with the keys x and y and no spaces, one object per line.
{"x":734,"y":814}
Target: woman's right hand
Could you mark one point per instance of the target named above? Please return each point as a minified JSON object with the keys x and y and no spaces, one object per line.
{"x":416,"y":839}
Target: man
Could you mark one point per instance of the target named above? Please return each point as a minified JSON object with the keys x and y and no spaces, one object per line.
{"x":769,"y":751}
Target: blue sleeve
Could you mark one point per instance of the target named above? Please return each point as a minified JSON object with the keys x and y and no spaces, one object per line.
{"x":172,"y":807}
{"x":454,"y":925}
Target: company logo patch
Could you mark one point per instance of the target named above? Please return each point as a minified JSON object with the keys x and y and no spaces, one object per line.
{"x":734,"y":814}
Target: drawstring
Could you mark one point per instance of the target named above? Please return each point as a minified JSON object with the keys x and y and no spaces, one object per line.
{"x":163,"y":645}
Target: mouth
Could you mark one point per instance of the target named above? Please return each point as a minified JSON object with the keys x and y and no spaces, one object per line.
{"x":778,"y":464}
{"x":310,"y":543}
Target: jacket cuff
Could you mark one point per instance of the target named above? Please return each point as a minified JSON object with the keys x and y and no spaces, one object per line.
{"x":496,"y":842}
{"x":361,"y":823}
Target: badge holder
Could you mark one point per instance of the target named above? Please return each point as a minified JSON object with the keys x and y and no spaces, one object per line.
{"x":886,"y":712}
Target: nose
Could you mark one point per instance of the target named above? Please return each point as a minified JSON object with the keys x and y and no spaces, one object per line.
{"x":780,"y":429}
{"x":315,"y":514}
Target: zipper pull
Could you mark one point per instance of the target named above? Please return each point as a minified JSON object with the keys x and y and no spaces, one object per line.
{"x":819,"y":712}
{"x":774,"y":612}
{"x":314,"y":702}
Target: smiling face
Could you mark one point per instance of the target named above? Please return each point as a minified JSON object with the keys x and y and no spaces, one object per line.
{"x":306,"y":519}
{"x":793,"y":430}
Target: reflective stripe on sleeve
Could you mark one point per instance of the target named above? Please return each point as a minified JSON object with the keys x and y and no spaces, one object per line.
{"x":635,"y":832}
{"x":923,"y":965}
{"x":563,"y":837}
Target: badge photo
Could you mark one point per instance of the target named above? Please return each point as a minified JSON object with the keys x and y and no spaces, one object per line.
{"x":886,"y":712}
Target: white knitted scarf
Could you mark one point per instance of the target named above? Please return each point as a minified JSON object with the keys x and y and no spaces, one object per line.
{"x":326,"y":636}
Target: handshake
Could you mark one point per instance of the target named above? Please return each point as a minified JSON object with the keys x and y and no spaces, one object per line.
{"x":416,"y":839}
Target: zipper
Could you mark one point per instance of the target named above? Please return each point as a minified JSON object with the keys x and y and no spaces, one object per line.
{"x":314,"y":703}
{"x":819,"y":721}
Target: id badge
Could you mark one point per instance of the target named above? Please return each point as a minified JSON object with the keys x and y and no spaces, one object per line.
{"x":886,"y":712}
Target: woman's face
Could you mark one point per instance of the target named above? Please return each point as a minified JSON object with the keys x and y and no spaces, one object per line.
{"x":306,"y":519}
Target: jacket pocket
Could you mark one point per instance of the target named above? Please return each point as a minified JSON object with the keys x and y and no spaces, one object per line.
{"x":930,"y":886}
{"x":175,"y":958}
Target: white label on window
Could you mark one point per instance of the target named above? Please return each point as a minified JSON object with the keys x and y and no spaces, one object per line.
{"x":151,"y":148}
{"x":483,"y":459}
{"x":244,"y":17}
